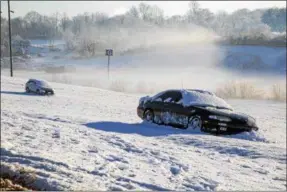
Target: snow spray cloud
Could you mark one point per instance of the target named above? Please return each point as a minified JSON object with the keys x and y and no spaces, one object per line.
{"x":149,"y":59}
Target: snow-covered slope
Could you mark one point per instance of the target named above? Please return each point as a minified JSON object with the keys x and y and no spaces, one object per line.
{"x":91,"y":139}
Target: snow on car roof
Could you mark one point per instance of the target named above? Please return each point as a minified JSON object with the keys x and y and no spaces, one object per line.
{"x":201,"y":91}
{"x":202,"y":98}
{"x":37,"y":80}
{"x":40,"y":82}
{"x":198,"y":97}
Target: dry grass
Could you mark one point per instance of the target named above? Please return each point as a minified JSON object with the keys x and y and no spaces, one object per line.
{"x":16,"y":178}
{"x":8,"y":185}
{"x":118,"y":85}
{"x":246,"y":90}
{"x":232,"y":89}
{"x":278,"y":92}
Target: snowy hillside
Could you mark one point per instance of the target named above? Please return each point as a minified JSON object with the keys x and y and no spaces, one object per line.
{"x":91,"y":139}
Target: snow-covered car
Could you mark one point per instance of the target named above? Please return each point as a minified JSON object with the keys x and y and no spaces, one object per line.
{"x":38,"y":86}
{"x":195,"y":109}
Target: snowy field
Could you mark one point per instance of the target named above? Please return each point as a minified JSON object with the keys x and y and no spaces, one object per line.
{"x":91,"y":139}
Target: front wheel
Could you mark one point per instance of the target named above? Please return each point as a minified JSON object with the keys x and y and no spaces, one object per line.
{"x":39,"y":92}
{"x":149,"y":116}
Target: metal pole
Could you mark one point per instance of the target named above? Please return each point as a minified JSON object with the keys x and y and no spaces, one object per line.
{"x":108,"y":67}
{"x":10,"y":41}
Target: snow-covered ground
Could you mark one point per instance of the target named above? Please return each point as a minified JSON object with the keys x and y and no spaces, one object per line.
{"x":91,"y":139}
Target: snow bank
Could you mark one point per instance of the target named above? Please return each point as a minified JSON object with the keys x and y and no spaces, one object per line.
{"x":250,"y":136}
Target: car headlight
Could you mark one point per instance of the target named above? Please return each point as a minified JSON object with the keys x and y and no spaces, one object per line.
{"x":220,"y":118}
{"x":251,"y":122}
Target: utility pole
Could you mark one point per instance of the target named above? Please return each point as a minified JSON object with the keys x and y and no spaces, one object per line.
{"x":10,"y":41}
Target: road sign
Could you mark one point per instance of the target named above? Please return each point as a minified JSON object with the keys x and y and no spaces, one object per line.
{"x":109,"y":52}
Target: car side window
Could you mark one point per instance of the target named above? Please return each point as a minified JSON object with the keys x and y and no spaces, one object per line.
{"x":162,"y":97}
{"x":32,"y":84}
{"x":169,"y":97}
{"x":176,"y":96}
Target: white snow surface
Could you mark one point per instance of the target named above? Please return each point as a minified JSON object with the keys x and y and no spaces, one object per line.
{"x":91,"y":139}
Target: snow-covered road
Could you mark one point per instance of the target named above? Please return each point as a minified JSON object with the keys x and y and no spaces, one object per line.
{"x":91,"y":139}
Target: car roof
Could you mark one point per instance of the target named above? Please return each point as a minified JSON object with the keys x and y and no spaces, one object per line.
{"x":37,"y":80}
{"x":201,"y":91}
{"x":195,"y":90}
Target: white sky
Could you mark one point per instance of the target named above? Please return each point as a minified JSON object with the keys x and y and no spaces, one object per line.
{"x":73,"y":8}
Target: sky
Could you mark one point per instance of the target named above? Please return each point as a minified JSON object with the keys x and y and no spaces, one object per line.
{"x":72,"y":8}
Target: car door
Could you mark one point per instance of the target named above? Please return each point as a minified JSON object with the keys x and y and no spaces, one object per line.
{"x":174,"y":112}
{"x":32,"y":86}
{"x":157,"y":104}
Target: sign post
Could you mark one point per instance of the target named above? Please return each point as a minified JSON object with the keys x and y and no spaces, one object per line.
{"x":10,"y":41}
{"x":109,"y":52}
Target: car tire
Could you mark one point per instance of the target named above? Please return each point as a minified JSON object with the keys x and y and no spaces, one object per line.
{"x":149,"y":116}
{"x":195,"y":122}
{"x":27,"y":90}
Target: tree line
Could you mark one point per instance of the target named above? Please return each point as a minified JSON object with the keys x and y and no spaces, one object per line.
{"x":242,"y":23}
{"x":34,"y":25}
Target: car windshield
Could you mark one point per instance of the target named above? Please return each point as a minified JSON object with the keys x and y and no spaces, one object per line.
{"x":44,"y":84}
{"x":196,"y":98}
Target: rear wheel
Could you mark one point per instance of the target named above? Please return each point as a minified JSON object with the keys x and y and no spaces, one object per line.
{"x":149,"y":116}
{"x":195,"y":122}
{"x":27,"y":90}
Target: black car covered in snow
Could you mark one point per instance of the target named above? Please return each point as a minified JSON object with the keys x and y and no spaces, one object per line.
{"x":195,"y":109}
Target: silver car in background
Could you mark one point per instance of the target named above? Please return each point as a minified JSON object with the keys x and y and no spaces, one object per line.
{"x":40,"y":87}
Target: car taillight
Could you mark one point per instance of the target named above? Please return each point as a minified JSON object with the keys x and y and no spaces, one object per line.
{"x":143,"y":100}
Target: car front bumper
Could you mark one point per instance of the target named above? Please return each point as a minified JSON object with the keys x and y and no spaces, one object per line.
{"x":221,"y":126}
{"x":47,"y":91}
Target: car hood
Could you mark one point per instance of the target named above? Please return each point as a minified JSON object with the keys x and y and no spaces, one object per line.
{"x":46,"y":87}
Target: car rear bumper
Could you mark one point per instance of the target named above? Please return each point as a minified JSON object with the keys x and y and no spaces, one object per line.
{"x":140,"y":112}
